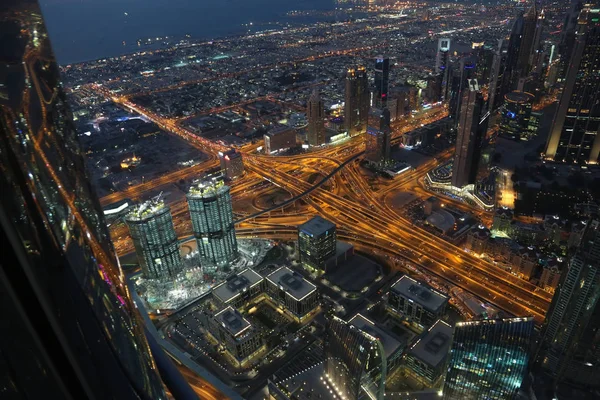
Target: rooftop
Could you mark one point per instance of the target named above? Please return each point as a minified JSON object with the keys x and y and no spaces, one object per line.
{"x":442,"y":220}
{"x":316,"y":226}
{"x":234,"y":285}
{"x":279,"y":130}
{"x":390,"y":344}
{"x":420,"y":293}
{"x":519,"y":97}
{"x":147,"y":210}
{"x":232,"y":321}
{"x":433,"y":347}
{"x":292,"y":282}
{"x":207,"y":188}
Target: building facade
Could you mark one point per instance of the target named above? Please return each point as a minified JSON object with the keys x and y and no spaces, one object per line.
{"x":415,"y":301}
{"x":570,"y":347}
{"x":469,"y":137}
{"x":295,"y":295}
{"x":72,"y":331}
{"x":354,"y":361}
{"x":488,"y":359}
{"x":212,"y":222}
{"x":516,"y":115}
{"x":381,"y":82}
{"x":375,"y":146}
{"x":356,"y":107}
{"x":316,"y":243}
{"x":279,"y":138}
{"x":574,"y":134}
{"x":231,"y":163}
{"x":315,"y":112}
{"x":154,"y":239}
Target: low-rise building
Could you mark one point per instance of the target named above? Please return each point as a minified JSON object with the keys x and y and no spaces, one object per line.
{"x":525,"y":261}
{"x":239,"y":338}
{"x":477,"y":239}
{"x":416,"y":301}
{"x":296,"y":296}
{"x":238,"y":290}
{"x":502,"y":219}
{"x":425,"y":361}
{"x":231,"y":163}
{"x":279,"y":138}
{"x":551,"y":273}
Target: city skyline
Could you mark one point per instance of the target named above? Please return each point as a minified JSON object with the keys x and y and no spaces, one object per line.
{"x":351,"y":200}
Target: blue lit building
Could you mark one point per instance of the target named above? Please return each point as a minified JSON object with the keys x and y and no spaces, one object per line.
{"x":488,"y":359}
{"x":516,"y":115}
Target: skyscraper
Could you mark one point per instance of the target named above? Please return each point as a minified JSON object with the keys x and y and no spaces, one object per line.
{"x":458,"y":86}
{"x":488,"y":359}
{"x":515,"y":115}
{"x":574,"y":134}
{"x":469,"y":137}
{"x":375,"y":146}
{"x":316,"y":120}
{"x":210,"y":207}
{"x":497,"y":88}
{"x":70,"y":330}
{"x":354,"y":361}
{"x":382,"y":77}
{"x":526,"y":44}
{"x":570,"y":347}
{"x":316,"y":242}
{"x":153,"y":234}
{"x":441,"y":57}
{"x":356,"y":108}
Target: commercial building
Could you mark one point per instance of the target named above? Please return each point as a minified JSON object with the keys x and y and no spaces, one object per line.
{"x":209,"y":202}
{"x":488,"y":359}
{"x":516,"y":115}
{"x":425,"y":361}
{"x":315,"y":112}
{"x":354,"y":361}
{"x":295,"y":295}
{"x":497,"y":87}
{"x":381,"y":82}
{"x":316,"y":243}
{"x":393,"y":347}
{"x":154,"y":239}
{"x":232,"y":163}
{"x":356,"y":107}
{"x":441,"y":58}
{"x":417,"y":302}
{"x":469,"y":137}
{"x":551,"y":274}
{"x":279,"y":138}
{"x":568,"y":350}
{"x":574,"y":134}
{"x":375,"y":146}
{"x":70,"y":329}
{"x":477,"y":239}
{"x":239,"y":289}
{"x":459,"y":84}
{"x":231,"y":330}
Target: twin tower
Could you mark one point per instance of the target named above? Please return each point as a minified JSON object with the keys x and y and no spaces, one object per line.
{"x":156,"y":243}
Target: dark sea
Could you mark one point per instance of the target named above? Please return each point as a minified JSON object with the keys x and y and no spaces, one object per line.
{"x":83,"y":30}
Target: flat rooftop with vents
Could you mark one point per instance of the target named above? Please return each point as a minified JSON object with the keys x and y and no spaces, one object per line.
{"x":390,"y":344}
{"x":429,"y":298}
{"x":433,"y":347}
{"x":233,"y":286}
{"x":316,"y":226}
{"x":292,"y":282}
{"x":233,"y":322}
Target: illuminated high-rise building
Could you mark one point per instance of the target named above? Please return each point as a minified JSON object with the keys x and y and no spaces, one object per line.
{"x":316,"y":242}
{"x":497,"y":88}
{"x":458,"y":85}
{"x":469,"y":137}
{"x":356,"y":108}
{"x":315,"y":113}
{"x":441,"y":58}
{"x":574,"y":134}
{"x":231,"y":163}
{"x":210,"y":207}
{"x":516,"y":114}
{"x":528,"y":32}
{"x":375,"y":146}
{"x":488,"y":359}
{"x":382,"y":78}
{"x":70,"y":329}
{"x":569,"y":351}
{"x":153,"y":234}
{"x":354,"y":361}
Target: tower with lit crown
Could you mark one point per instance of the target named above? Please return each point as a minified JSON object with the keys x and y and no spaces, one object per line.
{"x":356,"y":108}
{"x":316,"y":120}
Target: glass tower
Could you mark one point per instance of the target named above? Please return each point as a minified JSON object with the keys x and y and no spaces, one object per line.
{"x":356,"y":107}
{"x":316,"y":242}
{"x":488,"y":359}
{"x":69,"y":328}
{"x":212,"y":221}
{"x":155,"y":241}
{"x":316,"y":120}
{"x":355,"y":361}
{"x":574,"y":134}
{"x":570,"y":347}
{"x":382,"y":77}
